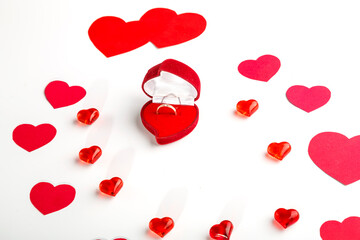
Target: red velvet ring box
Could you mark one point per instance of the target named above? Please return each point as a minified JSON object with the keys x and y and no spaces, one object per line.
{"x":172,"y":113}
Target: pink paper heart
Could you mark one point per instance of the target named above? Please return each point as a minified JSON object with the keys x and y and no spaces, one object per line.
{"x":349,"y":229}
{"x":308,"y":99}
{"x":59,"y":94}
{"x":47,"y":199}
{"x":262,"y":69}
{"x":337,"y":156}
{"x":31,"y":138}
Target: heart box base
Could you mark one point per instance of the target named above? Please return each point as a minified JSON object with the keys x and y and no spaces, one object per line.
{"x":173,"y":87}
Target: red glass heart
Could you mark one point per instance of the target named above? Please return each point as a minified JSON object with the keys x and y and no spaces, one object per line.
{"x":161,"y":226}
{"x":286,"y":217}
{"x":247,"y":108}
{"x":88,"y":116}
{"x":279,"y":150}
{"x":90,"y":155}
{"x":221,"y":231}
{"x":111,"y":187}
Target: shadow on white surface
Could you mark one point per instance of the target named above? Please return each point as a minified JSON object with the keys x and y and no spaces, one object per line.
{"x":122,"y":163}
{"x":149,"y":137}
{"x":96,"y":95}
{"x":100,"y":132}
{"x":271,"y":159}
{"x":233,"y":212}
{"x":173,"y":203}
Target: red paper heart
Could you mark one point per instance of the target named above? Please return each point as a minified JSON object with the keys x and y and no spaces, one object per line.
{"x":286,"y":217}
{"x":47,"y":199}
{"x":90,"y":155}
{"x":308,"y":99}
{"x":279,"y":150}
{"x":59,"y":94}
{"x":168,"y":128}
{"x":262,"y":69}
{"x":161,"y":226}
{"x":247,"y":108}
{"x":113,"y":36}
{"x":337,"y":156}
{"x":349,"y":229}
{"x":31,"y":138}
{"x":88,"y":116}
{"x":163,"y":27}
{"x":168,"y":29}
{"x":111,"y":187}
{"x":221,"y":231}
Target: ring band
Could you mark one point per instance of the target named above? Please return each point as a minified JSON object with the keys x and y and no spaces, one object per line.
{"x":166,"y":105}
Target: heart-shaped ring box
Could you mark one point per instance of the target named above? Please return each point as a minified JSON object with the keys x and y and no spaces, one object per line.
{"x":172,"y":113}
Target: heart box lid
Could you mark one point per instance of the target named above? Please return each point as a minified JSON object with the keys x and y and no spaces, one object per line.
{"x":172,"y":82}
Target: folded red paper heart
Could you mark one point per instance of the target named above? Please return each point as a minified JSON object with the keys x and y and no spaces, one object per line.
{"x":31,"y":137}
{"x":48,"y":199}
{"x":161,"y":26}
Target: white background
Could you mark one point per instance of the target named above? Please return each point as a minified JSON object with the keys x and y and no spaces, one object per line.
{"x":220,"y":170}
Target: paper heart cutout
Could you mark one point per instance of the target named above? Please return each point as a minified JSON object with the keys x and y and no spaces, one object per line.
{"x":59,"y":94}
{"x":169,"y":29}
{"x":113,"y":36}
{"x":262,"y":69}
{"x":168,"y":128}
{"x":161,"y":226}
{"x":47,"y":199}
{"x":349,"y":229}
{"x":31,"y":138}
{"x":221,"y":231}
{"x":337,"y":156}
{"x":308,"y":99}
{"x":161,"y":26}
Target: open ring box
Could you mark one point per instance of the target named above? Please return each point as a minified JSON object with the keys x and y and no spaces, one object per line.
{"x":171,"y":114}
